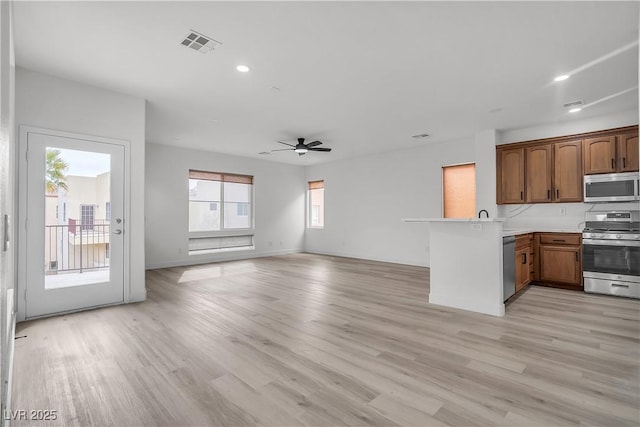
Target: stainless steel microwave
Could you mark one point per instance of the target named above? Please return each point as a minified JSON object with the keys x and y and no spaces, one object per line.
{"x":613,"y":187}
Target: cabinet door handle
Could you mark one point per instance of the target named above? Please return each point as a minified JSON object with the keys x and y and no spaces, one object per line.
{"x":548,"y":194}
{"x":557,"y":193}
{"x":559,"y":240}
{"x":613,"y":163}
{"x":521,"y":195}
{"x":624,"y":162}
{"x":524,"y":258}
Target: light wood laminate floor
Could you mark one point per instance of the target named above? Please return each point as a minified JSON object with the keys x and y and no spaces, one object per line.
{"x":313,"y":340}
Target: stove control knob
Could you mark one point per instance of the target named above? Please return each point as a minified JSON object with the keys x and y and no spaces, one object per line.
{"x":618,"y":236}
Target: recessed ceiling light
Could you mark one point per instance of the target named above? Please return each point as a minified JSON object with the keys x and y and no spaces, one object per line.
{"x":575,"y":110}
{"x":561,"y":78}
{"x":243,"y":68}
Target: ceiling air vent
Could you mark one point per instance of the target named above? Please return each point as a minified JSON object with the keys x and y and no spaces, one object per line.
{"x":200,"y":42}
{"x":573,"y":104}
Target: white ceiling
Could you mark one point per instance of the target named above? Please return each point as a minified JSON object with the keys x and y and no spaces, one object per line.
{"x":360,"y":76}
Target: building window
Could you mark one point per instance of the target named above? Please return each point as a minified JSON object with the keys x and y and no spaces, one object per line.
{"x":459,"y":191}
{"x":107,"y":211}
{"x":86,"y":217}
{"x":316,"y":204}
{"x":243,"y":209}
{"x":219,"y":201}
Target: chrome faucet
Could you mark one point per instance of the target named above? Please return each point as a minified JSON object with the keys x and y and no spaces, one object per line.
{"x":480,"y":213}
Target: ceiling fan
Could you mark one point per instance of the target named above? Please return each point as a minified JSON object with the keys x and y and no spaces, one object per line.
{"x":301,"y":148}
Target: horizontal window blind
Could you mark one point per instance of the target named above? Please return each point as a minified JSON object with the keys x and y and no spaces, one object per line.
{"x":459,"y":191}
{"x":316,"y":185}
{"x":217,"y":176}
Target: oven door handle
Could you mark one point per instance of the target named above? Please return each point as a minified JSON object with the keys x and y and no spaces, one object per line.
{"x":600,"y":242}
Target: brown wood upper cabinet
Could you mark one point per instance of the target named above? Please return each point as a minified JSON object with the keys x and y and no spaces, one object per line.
{"x":628,"y":155}
{"x":567,"y":171}
{"x":609,"y":154}
{"x":538,"y":167}
{"x":510,"y":179}
{"x":540,"y":173}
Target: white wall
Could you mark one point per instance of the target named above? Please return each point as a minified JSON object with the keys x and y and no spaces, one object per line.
{"x":366,"y":198}
{"x":7,"y":204}
{"x":279,"y":202}
{"x":566,"y":216}
{"x":49,"y":102}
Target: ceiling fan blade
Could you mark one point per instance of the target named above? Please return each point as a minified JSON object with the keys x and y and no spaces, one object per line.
{"x":326,"y":150}
{"x":314,"y":143}
{"x":280,"y":142}
{"x":284,"y":149}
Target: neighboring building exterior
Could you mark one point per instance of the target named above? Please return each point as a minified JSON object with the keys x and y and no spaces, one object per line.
{"x":77,"y":225}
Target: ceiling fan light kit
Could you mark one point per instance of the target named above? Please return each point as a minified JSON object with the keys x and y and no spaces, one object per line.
{"x":301,"y":148}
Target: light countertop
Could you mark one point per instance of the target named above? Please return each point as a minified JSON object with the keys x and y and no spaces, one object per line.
{"x":515,"y":231}
{"x":453,"y":219}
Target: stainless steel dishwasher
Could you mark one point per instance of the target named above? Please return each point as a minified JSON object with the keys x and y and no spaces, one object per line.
{"x":508,"y":267}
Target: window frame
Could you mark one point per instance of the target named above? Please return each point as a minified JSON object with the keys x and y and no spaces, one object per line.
{"x":310,"y":206}
{"x":85,"y":226}
{"x":224,"y":232}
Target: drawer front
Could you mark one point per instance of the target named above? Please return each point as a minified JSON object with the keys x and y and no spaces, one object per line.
{"x":523,"y":240}
{"x":612,"y":287}
{"x":559,"y":239}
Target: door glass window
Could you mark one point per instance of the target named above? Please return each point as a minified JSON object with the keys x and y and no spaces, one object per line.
{"x":77,"y":245}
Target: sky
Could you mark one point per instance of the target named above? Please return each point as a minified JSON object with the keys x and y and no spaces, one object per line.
{"x":85,"y":163}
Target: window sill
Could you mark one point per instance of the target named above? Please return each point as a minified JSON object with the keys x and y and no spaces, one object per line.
{"x":315,"y":228}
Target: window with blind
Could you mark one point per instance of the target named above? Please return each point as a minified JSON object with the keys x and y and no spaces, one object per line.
{"x":459,"y":191}
{"x":219,"y":203}
{"x":316,"y":204}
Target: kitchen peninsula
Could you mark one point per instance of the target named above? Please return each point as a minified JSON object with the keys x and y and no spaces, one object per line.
{"x":466,"y":263}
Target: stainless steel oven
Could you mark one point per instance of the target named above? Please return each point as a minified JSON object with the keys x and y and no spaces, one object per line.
{"x":611,"y":253}
{"x":614,"y":187}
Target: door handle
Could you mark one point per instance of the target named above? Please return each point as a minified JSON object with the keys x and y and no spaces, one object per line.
{"x":5,"y":232}
{"x":117,"y":232}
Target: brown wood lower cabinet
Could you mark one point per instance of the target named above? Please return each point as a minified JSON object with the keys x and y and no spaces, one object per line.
{"x":524,"y":260}
{"x":559,"y":260}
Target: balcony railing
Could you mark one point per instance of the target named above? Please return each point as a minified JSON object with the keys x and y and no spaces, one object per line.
{"x":77,"y":246}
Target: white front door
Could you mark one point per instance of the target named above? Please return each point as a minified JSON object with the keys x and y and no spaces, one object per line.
{"x":75,"y":224}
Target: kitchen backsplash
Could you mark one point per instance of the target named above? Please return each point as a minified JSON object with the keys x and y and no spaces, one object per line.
{"x":555,"y":216}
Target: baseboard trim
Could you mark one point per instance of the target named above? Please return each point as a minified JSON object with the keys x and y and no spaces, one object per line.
{"x":370,"y":258}
{"x":488,"y":307}
{"x":220,"y":257}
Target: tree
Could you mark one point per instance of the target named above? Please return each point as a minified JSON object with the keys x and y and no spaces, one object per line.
{"x":56,"y":168}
